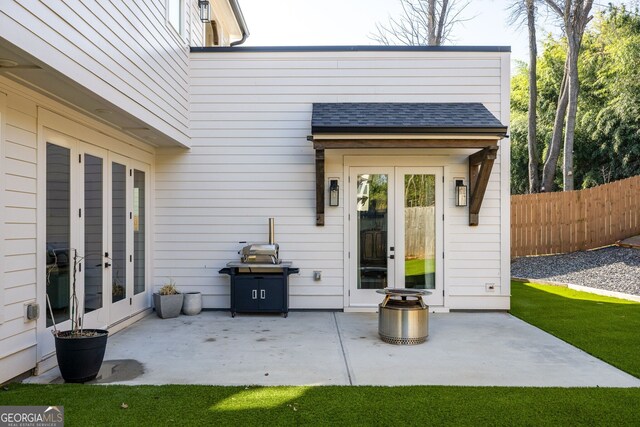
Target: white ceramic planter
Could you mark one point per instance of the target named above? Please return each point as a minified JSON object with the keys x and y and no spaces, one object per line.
{"x":192,"y":303}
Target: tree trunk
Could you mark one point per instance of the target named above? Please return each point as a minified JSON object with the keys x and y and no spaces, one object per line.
{"x":549,"y":170}
{"x":574,"y":87}
{"x":534,"y":182}
{"x":431,"y":20}
{"x":575,"y":14}
{"x":440,"y":31}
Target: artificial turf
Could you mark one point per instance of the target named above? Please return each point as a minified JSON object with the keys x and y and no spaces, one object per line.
{"x":607,"y":328}
{"x":90,"y":405}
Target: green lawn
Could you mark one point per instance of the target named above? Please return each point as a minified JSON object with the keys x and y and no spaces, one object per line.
{"x":335,"y":406}
{"x":608,"y":328}
{"x":418,"y":267}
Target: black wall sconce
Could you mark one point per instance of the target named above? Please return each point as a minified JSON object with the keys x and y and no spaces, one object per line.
{"x":461,"y":193}
{"x":205,"y":10}
{"x":334,"y":193}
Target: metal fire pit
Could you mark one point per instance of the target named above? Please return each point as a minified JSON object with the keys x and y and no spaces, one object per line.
{"x":403,"y":317}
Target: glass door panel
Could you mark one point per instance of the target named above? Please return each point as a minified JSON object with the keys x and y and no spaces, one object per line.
{"x":372,"y":206}
{"x":419,"y":231}
{"x":58,"y":232}
{"x":118,"y":232}
{"x":93,"y":232}
{"x":139,"y":236}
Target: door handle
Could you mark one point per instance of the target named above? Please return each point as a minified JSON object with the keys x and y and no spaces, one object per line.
{"x":106,"y":265}
{"x":392,"y":256}
{"x":263,"y":294}
{"x":254,"y":294}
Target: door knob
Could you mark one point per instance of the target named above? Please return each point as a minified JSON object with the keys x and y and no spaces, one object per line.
{"x":392,"y":256}
{"x":107,"y":265}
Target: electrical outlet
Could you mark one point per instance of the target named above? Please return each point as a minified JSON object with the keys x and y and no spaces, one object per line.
{"x":490,"y":287}
{"x":317,"y":275}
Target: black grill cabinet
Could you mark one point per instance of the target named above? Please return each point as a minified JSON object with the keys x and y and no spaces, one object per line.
{"x":259,"y":288}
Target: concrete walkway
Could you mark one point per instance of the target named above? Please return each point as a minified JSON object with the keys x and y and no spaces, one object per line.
{"x":324,"y":348}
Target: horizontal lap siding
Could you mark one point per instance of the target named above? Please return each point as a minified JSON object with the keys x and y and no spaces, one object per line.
{"x":17,"y":338}
{"x":122,"y":50}
{"x":250,"y":160}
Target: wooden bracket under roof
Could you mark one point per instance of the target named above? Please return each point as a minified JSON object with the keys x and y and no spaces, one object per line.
{"x":480,"y":165}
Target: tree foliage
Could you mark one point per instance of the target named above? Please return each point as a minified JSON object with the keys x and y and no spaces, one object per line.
{"x":607,"y":134}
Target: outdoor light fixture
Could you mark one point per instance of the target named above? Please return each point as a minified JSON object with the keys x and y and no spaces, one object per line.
{"x":205,"y":10}
{"x":334,"y":192}
{"x":461,"y":193}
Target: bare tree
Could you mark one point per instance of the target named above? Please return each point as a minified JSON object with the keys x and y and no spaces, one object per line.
{"x":422,"y":23}
{"x":575,"y":15}
{"x":525,"y":10}
{"x":550,"y":163}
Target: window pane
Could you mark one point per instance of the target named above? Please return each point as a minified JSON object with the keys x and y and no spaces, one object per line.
{"x":93,"y":227}
{"x":419,"y":231}
{"x":372,"y":206}
{"x":58,"y":195}
{"x":139,"y":222}
{"x":174,"y":14}
{"x":119,"y":234}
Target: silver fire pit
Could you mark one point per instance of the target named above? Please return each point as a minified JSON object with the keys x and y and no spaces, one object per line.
{"x":403,"y":317}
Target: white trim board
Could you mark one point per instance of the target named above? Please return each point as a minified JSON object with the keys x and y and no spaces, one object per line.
{"x":3,"y":234}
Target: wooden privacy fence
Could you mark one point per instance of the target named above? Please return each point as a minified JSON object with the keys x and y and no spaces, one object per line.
{"x":569,"y":221}
{"x":419,"y":232}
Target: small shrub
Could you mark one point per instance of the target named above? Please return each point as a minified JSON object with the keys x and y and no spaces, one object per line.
{"x":169,"y":289}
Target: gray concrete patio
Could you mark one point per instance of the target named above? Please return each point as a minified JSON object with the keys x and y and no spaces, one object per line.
{"x":325,"y":348}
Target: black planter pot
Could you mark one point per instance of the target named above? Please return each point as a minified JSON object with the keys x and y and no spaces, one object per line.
{"x":80,"y":357}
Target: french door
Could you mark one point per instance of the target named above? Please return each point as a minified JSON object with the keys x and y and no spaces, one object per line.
{"x":96,"y":228}
{"x":396,"y":228}
{"x":127,"y":237}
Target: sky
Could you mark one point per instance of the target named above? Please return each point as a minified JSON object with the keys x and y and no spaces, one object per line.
{"x":349,"y":22}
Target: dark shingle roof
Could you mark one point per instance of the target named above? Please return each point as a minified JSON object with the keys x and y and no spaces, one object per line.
{"x":428,"y":118}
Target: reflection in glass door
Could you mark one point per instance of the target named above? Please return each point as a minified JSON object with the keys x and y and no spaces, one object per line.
{"x":139,"y":223}
{"x":118,"y":232}
{"x":372,"y":208}
{"x":419,"y":231}
{"x":93,"y":232}
{"x":58,"y":202}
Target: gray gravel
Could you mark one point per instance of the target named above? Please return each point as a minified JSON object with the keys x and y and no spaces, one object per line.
{"x":613,"y":268}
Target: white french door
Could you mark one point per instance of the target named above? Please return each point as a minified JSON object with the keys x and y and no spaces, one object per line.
{"x":95,"y":203}
{"x":395,"y":228}
{"x":128,"y":238}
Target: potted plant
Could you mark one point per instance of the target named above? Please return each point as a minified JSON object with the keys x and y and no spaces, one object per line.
{"x":79,"y":351}
{"x":168,"y":301}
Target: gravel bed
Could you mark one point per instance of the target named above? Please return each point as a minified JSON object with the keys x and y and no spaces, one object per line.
{"x":612,"y":268}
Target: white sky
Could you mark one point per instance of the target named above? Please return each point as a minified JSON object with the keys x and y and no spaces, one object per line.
{"x":349,"y":22}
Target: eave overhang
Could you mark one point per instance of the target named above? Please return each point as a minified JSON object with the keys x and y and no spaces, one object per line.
{"x":417,"y":128}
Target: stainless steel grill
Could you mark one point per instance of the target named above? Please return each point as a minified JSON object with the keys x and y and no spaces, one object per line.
{"x":262,"y":253}
{"x":403,"y":317}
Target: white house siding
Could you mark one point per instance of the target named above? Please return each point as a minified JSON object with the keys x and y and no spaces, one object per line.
{"x":123,"y":50}
{"x":21,"y":111}
{"x":19,"y":141}
{"x":250,"y":160}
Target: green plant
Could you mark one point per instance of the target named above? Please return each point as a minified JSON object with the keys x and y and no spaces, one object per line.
{"x":169,"y":288}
